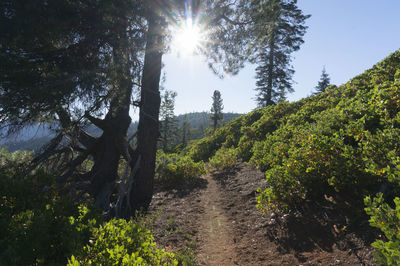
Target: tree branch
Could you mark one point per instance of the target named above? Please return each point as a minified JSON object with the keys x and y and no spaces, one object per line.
{"x":72,"y":166}
{"x":100,"y":123}
{"x":49,"y":151}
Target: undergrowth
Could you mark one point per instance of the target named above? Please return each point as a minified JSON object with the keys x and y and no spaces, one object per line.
{"x":39,"y":226}
{"x":172,"y":168}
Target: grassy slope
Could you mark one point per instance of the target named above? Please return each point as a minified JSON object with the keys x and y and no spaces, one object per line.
{"x":346,"y":140}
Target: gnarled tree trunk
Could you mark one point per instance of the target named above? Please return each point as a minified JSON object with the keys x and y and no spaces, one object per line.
{"x":113,"y":142}
{"x":148,"y":129}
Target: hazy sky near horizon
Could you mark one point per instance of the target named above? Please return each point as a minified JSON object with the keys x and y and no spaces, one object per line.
{"x":347,"y":37}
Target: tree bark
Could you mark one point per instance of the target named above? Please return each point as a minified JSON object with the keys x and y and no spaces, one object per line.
{"x":148,"y":129}
{"x":270,"y":72}
{"x":113,"y":143}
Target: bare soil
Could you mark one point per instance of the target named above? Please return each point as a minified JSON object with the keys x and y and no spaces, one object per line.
{"x":216,"y":216}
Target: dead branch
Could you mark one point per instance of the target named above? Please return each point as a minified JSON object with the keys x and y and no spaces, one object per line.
{"x":125,"y":187}
{"x":49,"y":151}
{"x":72,"y":166}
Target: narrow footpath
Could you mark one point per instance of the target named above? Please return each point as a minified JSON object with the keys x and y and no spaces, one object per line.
{"x":216,"y":245}
{"x":216,"y":217}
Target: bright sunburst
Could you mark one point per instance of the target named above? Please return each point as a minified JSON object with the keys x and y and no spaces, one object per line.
{"x":187,"y":38}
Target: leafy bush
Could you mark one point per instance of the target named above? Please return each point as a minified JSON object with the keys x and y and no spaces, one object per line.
{"x":11,"y":162}
{"x":121,"y":242}
{"x":387,"y":220}
{"x":223,"y":159}
{"x":346,"y":139}
{"x":37,"y":226}
{"x":173,"y":168}
{"x":186,"y":257}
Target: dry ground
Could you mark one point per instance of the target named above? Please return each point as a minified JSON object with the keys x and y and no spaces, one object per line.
{"x":217,"y":217}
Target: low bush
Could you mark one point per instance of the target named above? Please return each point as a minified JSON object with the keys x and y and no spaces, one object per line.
{"x":387,"y":219}
{"x":10,"y":163}
{"x":174,"y":168}
{"x":186,"y":257}
{"x":223,"y":159}
{"x":121,"y":242}
{"x":38,"y":226}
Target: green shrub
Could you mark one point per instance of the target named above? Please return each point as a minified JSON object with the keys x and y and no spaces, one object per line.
{"x":387,"y":220}
{"x":186,"y":257}
{"x":37,"y":226}
{"x":223,"y":159}
{"x":121,"y":242}
{"x":173,"y":168}
{"x":10,"y":163}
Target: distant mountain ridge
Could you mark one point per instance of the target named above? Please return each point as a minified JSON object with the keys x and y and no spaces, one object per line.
{"x":33,"y":137}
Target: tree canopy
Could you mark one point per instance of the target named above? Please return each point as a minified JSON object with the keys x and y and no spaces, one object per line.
{"x":81,"y":63}
{"x":278,"y":28}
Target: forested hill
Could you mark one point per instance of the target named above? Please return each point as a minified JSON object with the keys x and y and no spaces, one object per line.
{"x":345,"y":141}
{"x":199,"y":121}
{"x":34,"y":137}
{"x":202,"y":119}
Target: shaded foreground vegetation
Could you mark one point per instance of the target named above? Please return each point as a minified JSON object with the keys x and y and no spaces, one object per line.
{"x":39,"y":225}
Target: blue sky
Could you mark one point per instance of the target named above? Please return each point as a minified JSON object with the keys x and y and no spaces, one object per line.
{"x":347,"y":37}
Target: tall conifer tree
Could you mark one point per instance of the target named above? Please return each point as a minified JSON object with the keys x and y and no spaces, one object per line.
{"x":185,"y":131}
{"x":278,"y":29}
{"x":168,"y":122}
{"x":216,"y":109}
{"x":323,"y":83}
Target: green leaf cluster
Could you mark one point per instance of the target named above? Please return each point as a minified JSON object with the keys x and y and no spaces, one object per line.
{"x":40,"y":226}
{"x":121,"y":242}
{"x":10,"y":163}
{"x":37,"y":225}
{"x":223,"y":159}
{"x":387,"y":219}
{"x":177,"y":169}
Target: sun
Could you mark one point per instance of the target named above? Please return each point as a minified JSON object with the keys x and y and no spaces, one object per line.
{"x":187,"y":38}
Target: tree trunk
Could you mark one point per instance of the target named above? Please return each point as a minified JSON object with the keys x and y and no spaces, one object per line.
{"x":148,"y":129}
{"x":270,"y":76}
{"x":113,"y":143}
{"x":271,"y":68}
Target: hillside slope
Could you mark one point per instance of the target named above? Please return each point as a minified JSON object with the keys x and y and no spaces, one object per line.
{"x":324,"y":157}
{"x":341,"y":143}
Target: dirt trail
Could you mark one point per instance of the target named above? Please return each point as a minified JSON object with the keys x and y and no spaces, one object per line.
{"x":216,"y":242}
{"x":216,"y":217}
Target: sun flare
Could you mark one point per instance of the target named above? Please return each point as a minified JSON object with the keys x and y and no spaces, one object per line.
{"x":187,"y":38}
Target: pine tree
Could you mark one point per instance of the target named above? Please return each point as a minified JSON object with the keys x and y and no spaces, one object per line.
{"x":323,"y":83}
{"x":216,"y":109}
{"x":168,"y":122}
{"x":185,"y":131}
{"x":278,"y":29}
